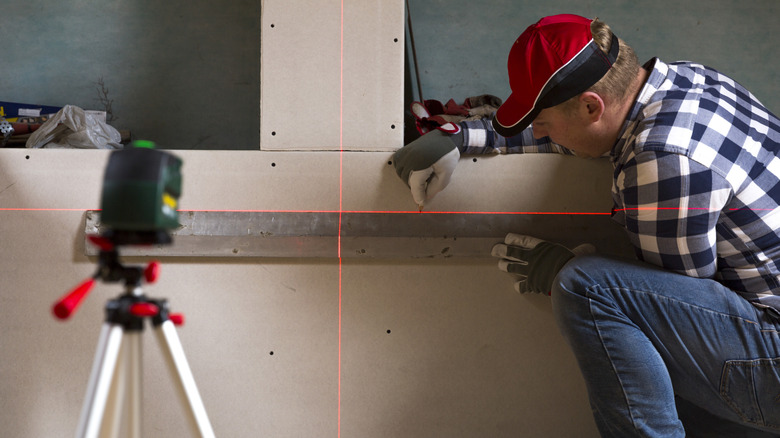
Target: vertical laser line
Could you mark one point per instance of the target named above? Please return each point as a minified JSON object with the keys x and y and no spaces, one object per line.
{"x":341,"y":193}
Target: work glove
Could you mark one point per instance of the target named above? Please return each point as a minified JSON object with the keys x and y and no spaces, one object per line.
{"x":533,"y":261}
{"x":426,"y":165}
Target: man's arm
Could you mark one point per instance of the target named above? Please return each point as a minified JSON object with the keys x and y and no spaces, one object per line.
{"x":671,"y":206}
{"x":478,"y":137}
{"x":427,"y":163}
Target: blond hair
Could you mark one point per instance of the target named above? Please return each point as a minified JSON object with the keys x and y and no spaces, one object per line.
{"x":617,"y":82}
{"x":623,"y":72}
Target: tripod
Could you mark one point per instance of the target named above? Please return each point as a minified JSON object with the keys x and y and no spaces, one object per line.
{"x":114,"y":388}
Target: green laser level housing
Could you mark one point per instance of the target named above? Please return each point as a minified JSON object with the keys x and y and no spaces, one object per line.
{"x":141,"y":189}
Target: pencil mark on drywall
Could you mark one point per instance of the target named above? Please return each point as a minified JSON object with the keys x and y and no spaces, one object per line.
{"x":7,"y":187}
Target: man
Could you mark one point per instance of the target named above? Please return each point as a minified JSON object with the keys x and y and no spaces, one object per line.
{"x":687,"y":339}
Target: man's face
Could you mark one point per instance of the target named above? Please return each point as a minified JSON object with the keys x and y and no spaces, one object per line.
{"x":570,"y":128}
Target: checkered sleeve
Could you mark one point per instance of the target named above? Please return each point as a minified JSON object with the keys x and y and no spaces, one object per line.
{"x":671,"y":208}
{"x":480,"y":138}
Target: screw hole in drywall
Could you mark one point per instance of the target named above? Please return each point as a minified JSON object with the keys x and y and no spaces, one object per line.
{"x":273,"y":164}
{"x":271,"y":353}
{"x":273,"y":133}
{"x":27,"y":157}
{"x":392,"y":126}
{"x":474,"y":160}
{"x":388,"y":331}
{"x":273,"y":25}
{"x":390,"y":163}
{"x":395,"y":40}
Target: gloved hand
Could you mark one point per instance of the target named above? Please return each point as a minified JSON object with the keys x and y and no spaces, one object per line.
{"x":534,"y":261}
{"x":426,"y":165}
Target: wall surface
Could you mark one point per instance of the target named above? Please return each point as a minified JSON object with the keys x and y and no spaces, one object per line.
{"x":332,"y":75}
{"x":462,"y":46}
{"x":187,"y":73}
{"x":309,"y":347}
{"x":183,"y":73}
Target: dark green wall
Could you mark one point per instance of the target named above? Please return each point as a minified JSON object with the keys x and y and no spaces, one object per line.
{"x":462,"y":45}
{"x":187,"y":73}
{"x":184,"y":73}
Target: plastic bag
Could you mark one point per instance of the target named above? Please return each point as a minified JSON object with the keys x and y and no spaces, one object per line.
{"x":72,"y":127}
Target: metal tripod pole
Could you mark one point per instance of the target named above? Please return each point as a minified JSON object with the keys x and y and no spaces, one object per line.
{"x":182,"y":376}
{"x":114,"y":388}
{"x":98,"y":388}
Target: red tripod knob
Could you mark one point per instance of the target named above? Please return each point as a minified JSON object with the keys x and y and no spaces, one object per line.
{"x":144,"y":309}
{"x":151,"y":272}
{"x":70,"y":302}
{"x":176,"y":318}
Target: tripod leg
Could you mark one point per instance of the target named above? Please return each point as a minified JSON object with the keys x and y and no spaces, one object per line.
{"x":135,"y":375}
{"x":112,"y":416}
{"x":100,"y":378}
{"x":124,"y":400}
{"x":185,"y":382}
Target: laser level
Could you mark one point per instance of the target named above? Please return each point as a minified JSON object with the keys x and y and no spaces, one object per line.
{"x":141,"y":189}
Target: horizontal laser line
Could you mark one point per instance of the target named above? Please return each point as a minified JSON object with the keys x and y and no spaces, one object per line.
{"x":580,"y":213}
{"x":44,"y":209}
{"x":401,"y":212}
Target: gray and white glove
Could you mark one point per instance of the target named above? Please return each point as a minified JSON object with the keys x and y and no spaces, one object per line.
{"x":426,"y":165}
{"x":533,"y":261}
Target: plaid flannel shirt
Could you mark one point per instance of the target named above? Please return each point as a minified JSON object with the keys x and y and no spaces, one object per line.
{"x":696,"y":179}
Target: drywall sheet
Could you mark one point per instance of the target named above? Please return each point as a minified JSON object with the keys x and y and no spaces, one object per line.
{"x":301,"y":346}
{"x":332,"y":75}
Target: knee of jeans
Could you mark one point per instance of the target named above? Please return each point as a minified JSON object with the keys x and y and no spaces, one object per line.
{"x":573,"y":281}
{"x":578,"y":273}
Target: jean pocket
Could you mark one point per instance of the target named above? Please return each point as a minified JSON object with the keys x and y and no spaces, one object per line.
{"x":752,"y":389}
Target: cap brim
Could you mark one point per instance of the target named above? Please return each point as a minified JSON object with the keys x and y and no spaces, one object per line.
{"x":511,"y":118}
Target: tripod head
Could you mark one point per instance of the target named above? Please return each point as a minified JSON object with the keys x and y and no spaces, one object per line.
{"x":110,"y":270}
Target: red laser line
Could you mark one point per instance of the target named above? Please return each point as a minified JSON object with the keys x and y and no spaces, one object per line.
{"x":407,"y":212}
{"x":341,"y":193}
{"x":45,"y":209}
{"x":342,"y":211}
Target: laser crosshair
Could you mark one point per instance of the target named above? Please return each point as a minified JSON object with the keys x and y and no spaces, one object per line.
{"x":141,"y":189}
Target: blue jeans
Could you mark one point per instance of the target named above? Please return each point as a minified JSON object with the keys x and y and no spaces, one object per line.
{"x":664,"y":354}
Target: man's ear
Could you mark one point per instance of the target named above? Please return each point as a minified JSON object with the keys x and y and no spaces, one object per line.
{"x":594,"y":105}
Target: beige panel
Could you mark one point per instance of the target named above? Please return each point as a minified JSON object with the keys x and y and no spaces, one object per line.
{"x":465,"y":355}
{"x":319,"y":95}
{"x":451,"y":351}
{"x":505,"y":183}
{"x":300,"y":74}
{"x":373,"y":74}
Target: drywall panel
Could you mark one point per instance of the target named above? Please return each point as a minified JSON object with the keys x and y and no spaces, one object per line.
{"x":332,"y":75}
{"x":449,"y":351}
{"x":298,"y":346}
{"x":537,"y":208}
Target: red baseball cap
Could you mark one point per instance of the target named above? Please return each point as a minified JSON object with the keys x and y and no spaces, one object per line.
{"x":551,"y":62}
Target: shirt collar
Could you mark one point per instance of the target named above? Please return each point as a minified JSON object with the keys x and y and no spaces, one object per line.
{"x":657,"y":74}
